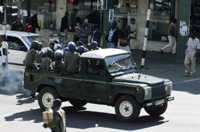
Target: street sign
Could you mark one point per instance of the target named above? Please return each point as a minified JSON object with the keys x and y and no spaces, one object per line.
{"x":101,"y":4}
{"x":111,"y":15}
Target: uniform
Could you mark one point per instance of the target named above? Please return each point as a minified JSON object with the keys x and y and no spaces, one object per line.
{"x":30,"y":59}
{"x":38,"y":56}
{"x":58,"y":67}
{"x":46,"y":63}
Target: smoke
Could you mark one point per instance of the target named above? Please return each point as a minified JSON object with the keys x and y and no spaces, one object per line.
{"x":13,"y":83}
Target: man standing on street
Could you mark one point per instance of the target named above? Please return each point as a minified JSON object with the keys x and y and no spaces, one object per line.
{"x":96,"y":35}
{"x":113,"y":36}
{"x":63,"y":30}
{"x":171,"y":37}
{"x":17,"y":26}
{"x":34,"y":23}
{"x":191,"y":54}
{"x":59,"y":118}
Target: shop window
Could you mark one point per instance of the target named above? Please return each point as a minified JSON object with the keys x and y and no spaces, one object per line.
{"x":161,"y":12}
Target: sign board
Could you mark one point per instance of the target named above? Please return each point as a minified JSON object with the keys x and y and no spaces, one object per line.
{"x":111,"y":15}
{"x":184,"y":31}
{"x":101,"y":4}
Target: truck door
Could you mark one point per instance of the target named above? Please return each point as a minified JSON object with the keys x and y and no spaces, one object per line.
{"x":94,"y":85}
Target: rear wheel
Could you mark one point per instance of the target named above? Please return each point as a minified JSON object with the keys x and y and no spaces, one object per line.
{"x":157,"y":111}
{"x":77,"y":103}
{"x":127,"y":109}
{"x":46,"y":97}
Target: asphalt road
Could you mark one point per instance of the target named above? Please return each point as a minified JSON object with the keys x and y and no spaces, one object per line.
{"x":20,"y":113}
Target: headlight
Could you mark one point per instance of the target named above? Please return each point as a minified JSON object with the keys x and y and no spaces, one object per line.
{"x":168,"y":87}
{"x":147,"y":93}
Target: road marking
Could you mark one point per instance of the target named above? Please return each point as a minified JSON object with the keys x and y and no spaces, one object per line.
{"x":186,"y":81}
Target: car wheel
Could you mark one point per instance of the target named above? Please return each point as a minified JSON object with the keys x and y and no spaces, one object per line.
{"x":127,"y":109}
{"x":77,"y":103}
{"x":46,"y":97}
{"x":157,"y":111}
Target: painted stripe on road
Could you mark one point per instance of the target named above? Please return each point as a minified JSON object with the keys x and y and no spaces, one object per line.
{"x":186,"y":81}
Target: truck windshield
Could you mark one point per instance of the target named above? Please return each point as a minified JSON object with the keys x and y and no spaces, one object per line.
{"x":120,"y":63}
{"x":30,"y":39}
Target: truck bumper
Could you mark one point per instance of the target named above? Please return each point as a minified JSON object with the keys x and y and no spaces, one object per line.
{"x":158,"y":102}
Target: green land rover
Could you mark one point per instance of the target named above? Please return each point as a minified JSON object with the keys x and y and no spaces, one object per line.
{"x":106,"y":76}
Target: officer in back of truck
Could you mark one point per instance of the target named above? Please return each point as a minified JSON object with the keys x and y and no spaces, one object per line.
{"x":94,"y":46}
{"x":46,"y":60}
{"x":51,"y":46}
{"x":59,"y":118}
{"x":39,"y":54}
{"x":71,"y":61}
{"x":29,"y":61}
{"x":58,"y":65}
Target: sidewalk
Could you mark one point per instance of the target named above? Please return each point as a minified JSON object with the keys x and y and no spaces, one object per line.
{"x":164,"y":66}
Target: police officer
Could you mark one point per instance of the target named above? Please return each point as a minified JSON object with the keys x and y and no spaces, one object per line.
{"x":58,"y":65}
{"x":94,"y":45}
{"x":46,"y":60}
{"x":71,"y":61}
{"x":39,"y":54}
{"x":81,"y":49}
{"x":59,"y":118}
{"x":29,"y":61}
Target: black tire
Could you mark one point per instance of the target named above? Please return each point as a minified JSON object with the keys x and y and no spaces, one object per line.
{"x":132,"y":110}
{"x":77,"y":103}
{"x":157,"y":111}
{"x":46,"y":94}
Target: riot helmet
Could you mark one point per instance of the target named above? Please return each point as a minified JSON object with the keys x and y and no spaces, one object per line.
{"x":35,"y":45}
{"x":72,"y":46}
{"x":58,"y":55}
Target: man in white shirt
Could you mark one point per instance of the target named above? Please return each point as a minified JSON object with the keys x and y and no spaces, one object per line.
{"x":191,"y":53}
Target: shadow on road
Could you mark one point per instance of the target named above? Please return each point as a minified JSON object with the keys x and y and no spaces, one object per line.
{"x":25,"y":99}
{"x":32,"y":114}
{"x":88,"y":119}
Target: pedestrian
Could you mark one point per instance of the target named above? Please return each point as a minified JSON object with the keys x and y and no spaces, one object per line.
{"x":124,"y":39}
{"x":193,"y":47}
{"x":171,"y":37}
{"x":63,"y":30}
{"x":46,"y":60}
{"x":77,"y":28}
{"x":29,"y":61}
{"x":83,"y":34}
{"x":71,"y":61}
{"x":113,"y":36}
{"x":58,"y":124}
{"x":34,"y":23}
{"x":72,"y":19}
{"x":17,"y":26}
{"x":96,"y":35}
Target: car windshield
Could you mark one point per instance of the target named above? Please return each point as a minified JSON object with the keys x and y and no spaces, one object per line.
{"x":30,"y":39}
{"x":119,"y":63}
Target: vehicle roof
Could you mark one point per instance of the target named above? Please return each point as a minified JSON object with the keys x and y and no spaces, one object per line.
{"x":19,"y":33}
{"x":103,"y":53}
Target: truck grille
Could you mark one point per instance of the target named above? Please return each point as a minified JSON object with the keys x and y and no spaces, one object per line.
{"x":158,"y":91}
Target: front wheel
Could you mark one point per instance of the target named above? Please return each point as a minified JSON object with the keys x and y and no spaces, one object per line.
{"x":157,"y":111}
{"x":127,"y":109}
{"x":46,"y":97}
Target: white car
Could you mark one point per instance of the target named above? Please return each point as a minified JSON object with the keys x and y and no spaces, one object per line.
{"x":19,"y":43}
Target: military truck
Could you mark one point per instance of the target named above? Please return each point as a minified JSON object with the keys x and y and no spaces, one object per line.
{"x":108,"y":77}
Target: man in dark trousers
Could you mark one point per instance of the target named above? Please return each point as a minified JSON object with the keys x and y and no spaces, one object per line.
{"x":63,"y":29}
{"x":95,"y":35}
{"x":113,"y":36}
{"x":17,"y":26}
{"x":34,"y":23}
{"x":59,"y":118}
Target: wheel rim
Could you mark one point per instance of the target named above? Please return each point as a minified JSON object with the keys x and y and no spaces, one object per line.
{"x":126,"y":109}
{"x":47,"y":100}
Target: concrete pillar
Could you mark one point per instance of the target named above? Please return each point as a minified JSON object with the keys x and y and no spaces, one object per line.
{"x":141,"y":21}
{"x":61,"y":8}
{"x":184,"y":9}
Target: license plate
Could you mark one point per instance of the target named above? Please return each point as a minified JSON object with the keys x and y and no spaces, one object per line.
{"x":159,"y":102}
